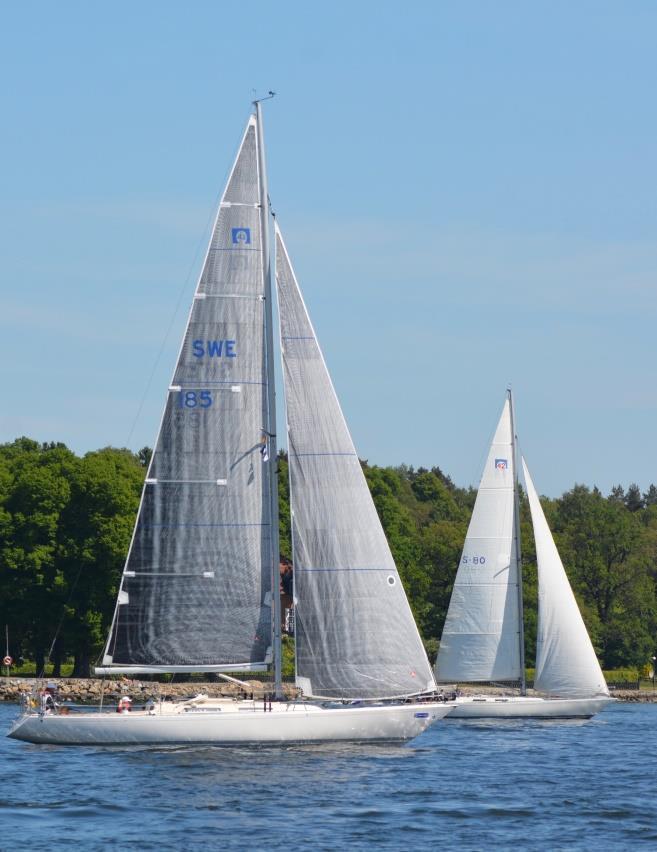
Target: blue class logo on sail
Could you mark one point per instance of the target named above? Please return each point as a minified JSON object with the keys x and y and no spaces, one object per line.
{"x":501,"y":464}
{"x":241,"y":236}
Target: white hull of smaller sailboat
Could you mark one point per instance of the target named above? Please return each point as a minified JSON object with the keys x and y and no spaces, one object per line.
{"x":241,"y":724}
{"x":526,"y":707}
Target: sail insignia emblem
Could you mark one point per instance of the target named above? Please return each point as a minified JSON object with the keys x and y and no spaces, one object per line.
{"x":241,"y":236}
{"x":501,"y":464}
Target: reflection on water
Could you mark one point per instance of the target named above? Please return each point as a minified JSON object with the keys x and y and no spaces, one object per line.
{"x":521,"y":724}
{"x":540,"y":784}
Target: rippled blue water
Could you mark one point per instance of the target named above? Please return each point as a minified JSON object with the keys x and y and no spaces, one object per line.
{"x":528,"y":785}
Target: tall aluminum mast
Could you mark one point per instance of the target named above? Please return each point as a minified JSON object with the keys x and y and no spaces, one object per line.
{"x":516,"y":534}
{"x":271,"y":403}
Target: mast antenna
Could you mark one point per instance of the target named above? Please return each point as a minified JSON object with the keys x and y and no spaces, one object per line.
{"x":267,"y":97}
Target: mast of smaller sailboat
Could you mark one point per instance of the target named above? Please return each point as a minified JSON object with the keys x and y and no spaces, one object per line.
{"x":516,"y":536}
{"x":271,"y":403}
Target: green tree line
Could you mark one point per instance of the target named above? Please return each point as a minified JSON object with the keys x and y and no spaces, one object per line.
{"x":66,"y":523}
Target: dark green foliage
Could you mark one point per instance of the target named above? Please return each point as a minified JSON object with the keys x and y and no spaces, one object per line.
{"x":284,"y":506}
{"x":95,"y":530}
{"x":288,"y":657}
{"x":65,"y":526}
{"x":610,"y":558}
{"x":617,"y":494}
{"x":66,"y":523}
{"x":633,"y":499}
{"x":650,"y":496}
{"x":144,"y":456}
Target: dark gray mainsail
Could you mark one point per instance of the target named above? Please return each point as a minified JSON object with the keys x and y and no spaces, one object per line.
{"x":196,"y":589}
{"x":355,"y":633}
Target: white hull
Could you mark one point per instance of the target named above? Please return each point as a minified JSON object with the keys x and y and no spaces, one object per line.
{"x":525,"y":707}
{"x":233,"y":723}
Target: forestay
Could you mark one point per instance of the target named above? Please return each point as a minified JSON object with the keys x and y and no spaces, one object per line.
{"x":355,"y":633}
{"x":481,"y":636}
{"x":566,"y":664}
{"x":196,"y":589}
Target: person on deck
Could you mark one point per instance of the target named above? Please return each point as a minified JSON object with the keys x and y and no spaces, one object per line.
{"x":48,"y":703}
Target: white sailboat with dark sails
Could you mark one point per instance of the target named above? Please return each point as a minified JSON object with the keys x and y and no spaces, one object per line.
{"x":483,"y":635}
{"x":199,"y":591}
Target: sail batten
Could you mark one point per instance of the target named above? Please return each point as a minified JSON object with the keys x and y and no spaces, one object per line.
{"x":566,"y":663}
{"x":354,"y":630}
{"x":480,"y":639}
{"x":198,"y":573}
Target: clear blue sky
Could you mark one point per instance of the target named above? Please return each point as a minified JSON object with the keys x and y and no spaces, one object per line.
{"x":467,"y":191}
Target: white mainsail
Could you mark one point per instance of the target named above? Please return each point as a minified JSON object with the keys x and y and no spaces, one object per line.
{"x":196,"y":588}
{"x":566,"y":664}
{"x":354,"y":629}
{"x":482,"y":633}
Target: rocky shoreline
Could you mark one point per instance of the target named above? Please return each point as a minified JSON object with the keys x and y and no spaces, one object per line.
{"x":90,"y":690}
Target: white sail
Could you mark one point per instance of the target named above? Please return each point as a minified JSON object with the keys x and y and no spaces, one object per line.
{"x":355,"y":633}
{"x":482,"y":632}
{"x":196,"y":590}
{"x":566,"y":664}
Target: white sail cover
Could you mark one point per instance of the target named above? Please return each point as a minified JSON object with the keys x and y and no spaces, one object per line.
{"x":566,"y":664}
{"x":195,"y":593}
{"x":355,"y":633}
{"x":482,"y":632}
